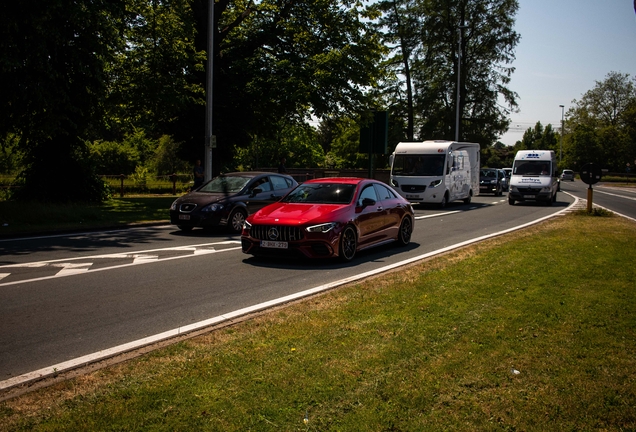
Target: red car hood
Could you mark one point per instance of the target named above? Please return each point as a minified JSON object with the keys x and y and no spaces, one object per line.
{"x":298,"y":214}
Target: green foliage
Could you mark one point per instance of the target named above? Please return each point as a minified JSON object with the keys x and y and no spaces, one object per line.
{"x":10,"y":154}
{"x":601,"y":127}
{"x":166,"y":157}
{"x":114,"y":158}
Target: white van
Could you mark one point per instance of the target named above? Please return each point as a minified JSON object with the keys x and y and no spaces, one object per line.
{"x":436,"y":172}
{"x":534,"y":177}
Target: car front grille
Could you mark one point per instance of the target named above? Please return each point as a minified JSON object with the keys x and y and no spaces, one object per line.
{"x":529,"y":191}
{"x":276,"y":233}
{"x":413,"y":188}
{"x":187,"y":207}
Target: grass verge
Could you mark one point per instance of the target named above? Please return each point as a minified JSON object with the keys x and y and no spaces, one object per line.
{"x":535,"y":330}
{"x":18,"y":218}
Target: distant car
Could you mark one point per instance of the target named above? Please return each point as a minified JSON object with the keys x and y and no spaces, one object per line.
{"x":505,"y":180}
{"x":228,"y":199}
{"x":567,"y":175}
{"x":491,"y":181}
{"x":330,"y":217}
{"x":508,"y":172}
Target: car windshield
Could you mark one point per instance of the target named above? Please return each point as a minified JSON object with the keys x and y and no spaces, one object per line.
{"x":418,"y":165}
{"x":225,"y":184}
{"x":489,"y":173}
{"x":321,"y":193}
{"x":527,"y":167}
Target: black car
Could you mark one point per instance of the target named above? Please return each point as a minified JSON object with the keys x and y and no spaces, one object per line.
{"x":492,"y":181}
{"x":228,"y":199}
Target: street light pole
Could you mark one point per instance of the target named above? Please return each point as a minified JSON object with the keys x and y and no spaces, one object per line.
{"x":209,"y":96}
{"x":459,"y":75}
{"x":562,"y":132}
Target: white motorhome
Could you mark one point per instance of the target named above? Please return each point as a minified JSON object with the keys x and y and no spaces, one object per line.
{"x":436,"y":172}
{"x":534,"y":177}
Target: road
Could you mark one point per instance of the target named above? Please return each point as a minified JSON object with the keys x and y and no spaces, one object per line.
{"x":617,"y":199}
{"x":68,"y":297}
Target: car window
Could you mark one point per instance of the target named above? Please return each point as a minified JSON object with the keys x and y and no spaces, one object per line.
{"x":368,"y":192}
{"x":321,"y":193}
{"x":225,"y":184}
{"x":279,"y":182}
{"x":263,"y":184}
{"x":383,"y":192}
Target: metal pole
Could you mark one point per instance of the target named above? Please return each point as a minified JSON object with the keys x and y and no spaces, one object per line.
{"x":459,"y":68}
{"x":209,"y":96}
{"x":562,"y":132}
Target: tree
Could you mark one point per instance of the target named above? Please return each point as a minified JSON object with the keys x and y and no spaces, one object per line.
{"x":602,"y":124}
{"x":487,"y":50}
{"x":279,"y":61}
{"x":52,"y":61}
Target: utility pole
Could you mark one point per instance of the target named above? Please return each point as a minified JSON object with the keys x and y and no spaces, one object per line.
{"x":210,"y":143}
{"x":459,"y":79}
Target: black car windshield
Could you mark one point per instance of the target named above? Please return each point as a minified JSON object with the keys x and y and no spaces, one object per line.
{"x":321,"y":193}
{"x":488,"y":173}
{"x":225,"y":184}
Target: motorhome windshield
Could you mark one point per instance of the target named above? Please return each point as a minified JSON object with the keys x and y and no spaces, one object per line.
{"x":418,"y":165}
{"x":531,"y":167}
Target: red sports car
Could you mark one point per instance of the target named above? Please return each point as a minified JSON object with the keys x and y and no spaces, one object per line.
{"x":329,"y":217}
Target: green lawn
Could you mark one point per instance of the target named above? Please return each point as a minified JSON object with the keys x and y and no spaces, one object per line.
{"x":26,"y":218}
{"x":532,"y":331}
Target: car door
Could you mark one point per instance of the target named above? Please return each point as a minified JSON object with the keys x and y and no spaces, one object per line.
{"x":369,"y":217}
{"x":260,"y":194}
{"x":392,"y":213}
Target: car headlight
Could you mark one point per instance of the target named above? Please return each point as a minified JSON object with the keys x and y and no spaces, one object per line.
{"x":435,"y":183}
{"x":394,"y":183}
{"x":546,"y":189}
{"x":174,"y":205}
{"x":493,"y":181}
{"x":212,"y":207}
{"x":246,"y":225}
{"x":513,"y":189}
{"x":322,"y":228}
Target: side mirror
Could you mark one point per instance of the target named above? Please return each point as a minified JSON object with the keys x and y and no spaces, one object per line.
{"x":256,"y":191}
{"x":366,"y":202}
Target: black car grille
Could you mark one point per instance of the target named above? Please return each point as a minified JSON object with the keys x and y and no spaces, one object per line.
{"x":276,"y":233}
{"x":529,"y":191}
{"x":187,"y":207}
{"x":413,"y":188}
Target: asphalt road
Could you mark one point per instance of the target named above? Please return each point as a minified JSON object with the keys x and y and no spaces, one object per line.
{"x":65,"y":297}
{"x":617,"y":199}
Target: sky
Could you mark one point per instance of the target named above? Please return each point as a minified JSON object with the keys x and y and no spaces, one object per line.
{"x":566,"y":46}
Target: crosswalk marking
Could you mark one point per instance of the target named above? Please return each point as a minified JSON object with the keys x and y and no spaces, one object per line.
{"x":88,"y":264}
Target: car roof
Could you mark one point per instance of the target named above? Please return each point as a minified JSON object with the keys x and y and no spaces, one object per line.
{"x":341,"y":180}
{"x":251,"y":174}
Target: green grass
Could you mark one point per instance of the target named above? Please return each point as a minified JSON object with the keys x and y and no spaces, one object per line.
{"x":26,"y":218}
{"x":435,"y":346}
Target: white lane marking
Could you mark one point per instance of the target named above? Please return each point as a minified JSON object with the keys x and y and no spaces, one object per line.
{"x":437,"y":215}
{"x":4,"y":275}
{"x":72,"y":269}
{"x":120,"y":349}
{"x":616,"y":195}
{"x":68,"y":268}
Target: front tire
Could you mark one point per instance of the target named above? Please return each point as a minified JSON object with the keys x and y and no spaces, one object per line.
{"x":236,"y":220}
{"x":444,"y":201}
{"x":348,"y":244}
{"x":470,"y":197}
{"x":511,"y":201}
{"x":406,"y":229}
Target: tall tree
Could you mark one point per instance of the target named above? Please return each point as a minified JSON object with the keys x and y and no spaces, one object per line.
{"x":52,"y":61}
{"x":285,"y":60}
{"x":487,"y":47}
{"x":602,"y":125}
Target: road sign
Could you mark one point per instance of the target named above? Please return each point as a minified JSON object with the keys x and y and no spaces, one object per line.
{"x":591,"y":174}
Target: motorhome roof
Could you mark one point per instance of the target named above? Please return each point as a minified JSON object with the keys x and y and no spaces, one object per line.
{"x":430,"y":146}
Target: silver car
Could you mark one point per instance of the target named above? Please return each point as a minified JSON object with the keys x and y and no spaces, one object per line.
{"x":567,"y":175}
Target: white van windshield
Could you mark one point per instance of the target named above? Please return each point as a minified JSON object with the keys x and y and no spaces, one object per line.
{"x":418,"y":165}
{"x":531,"y":167}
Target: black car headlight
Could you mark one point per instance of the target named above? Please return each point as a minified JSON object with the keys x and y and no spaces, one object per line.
{"x":212,"y":207}
{"x":322,"y":228}
{"x":173,"y":206}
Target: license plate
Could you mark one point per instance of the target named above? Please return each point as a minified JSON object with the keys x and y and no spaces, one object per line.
{"x":184,"y":217}
{"x":273,"y":244}
{"x":529,"y":196}
{"x":412,"y":197}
